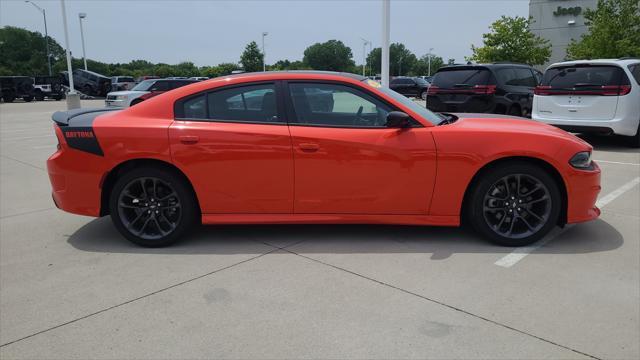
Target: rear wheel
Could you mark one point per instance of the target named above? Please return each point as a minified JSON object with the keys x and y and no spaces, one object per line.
{"x":514,"y":204}
{"x":152,"y":207}
{"x":514,"y":110}
{"x":423,"y":95}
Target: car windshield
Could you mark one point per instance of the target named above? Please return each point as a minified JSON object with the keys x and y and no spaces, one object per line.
{"x":420,"y":110}
{"x":144,"y":86}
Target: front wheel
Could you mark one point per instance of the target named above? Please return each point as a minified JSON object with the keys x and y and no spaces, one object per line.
{"x":152,"y":207}
{"x":515,"y":204}
{"x":423,"y":95}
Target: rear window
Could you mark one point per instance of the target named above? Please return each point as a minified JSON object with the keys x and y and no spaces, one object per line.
{"x":516,"y":77}
{"x":569,"y":77}
{"x":448,"y":79}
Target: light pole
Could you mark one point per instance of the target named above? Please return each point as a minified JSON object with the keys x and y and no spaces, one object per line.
{"x":385,"y":42}
{"x":264,"y":54}
{"x":364,"y":54}
{"x":46,"y":34}
{"x":430,"y":50}
{"x":73,"y":99}
{"x":84,"y":54}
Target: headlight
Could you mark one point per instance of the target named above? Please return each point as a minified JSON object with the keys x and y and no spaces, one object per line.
{"x":581,"y":160}
{"x":120,"y":97}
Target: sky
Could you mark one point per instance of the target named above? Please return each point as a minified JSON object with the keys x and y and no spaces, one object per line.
{"x":210,"y":32}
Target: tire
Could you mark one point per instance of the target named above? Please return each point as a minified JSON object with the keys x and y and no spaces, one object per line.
{"x":515,"y":111}
{"x":87,"y":90}
{"x":135,"y":102}
{"x":8,"y":98}
{"x":423,"y":95}
{"x":514,"y":217}
{"x":169,"y":203}
{"x":57,"y":98}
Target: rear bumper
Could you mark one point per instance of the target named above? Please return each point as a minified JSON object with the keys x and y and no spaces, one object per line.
{"x":583,"y":187}
{"x":75,"y":179}
{"x":618,"y":126}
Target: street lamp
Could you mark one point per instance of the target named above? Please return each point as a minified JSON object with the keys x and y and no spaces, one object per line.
{"x":84,"y":54}
{"x":73,"y":99}
{"x":264,"y":54}
{"x":46,"y":34}
{"x":364,"y":52}
{"x":386,"y":10}
{"x":430,"y":54}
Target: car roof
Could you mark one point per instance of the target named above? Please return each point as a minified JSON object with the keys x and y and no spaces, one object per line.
{"x":297,"y":72}
{"x":622,"y":62}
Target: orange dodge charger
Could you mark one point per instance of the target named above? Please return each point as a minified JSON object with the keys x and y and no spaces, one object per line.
{"x":316,"y":147}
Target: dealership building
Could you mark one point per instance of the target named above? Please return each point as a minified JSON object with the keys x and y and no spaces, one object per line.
{"x":559,"y":21}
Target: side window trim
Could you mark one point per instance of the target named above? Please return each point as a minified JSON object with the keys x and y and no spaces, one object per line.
{"x":292,"y":117}
{"x":178,"y":109}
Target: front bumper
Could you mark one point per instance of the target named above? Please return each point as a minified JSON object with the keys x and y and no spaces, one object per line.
{"x":583,"y":187}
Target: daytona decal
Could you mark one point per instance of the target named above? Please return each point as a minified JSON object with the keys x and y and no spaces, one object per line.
{"x":82,"y":138}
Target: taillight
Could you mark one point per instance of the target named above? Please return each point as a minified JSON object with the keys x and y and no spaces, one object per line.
{"x":484,"y":89}
{"x":432,"y":90}
{"x":614,"y":90}
{"x":542,"y":90}
{"x":605,"y":90}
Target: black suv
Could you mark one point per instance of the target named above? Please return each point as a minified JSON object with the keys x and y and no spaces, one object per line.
{"x":89,"y":82}
{"x":410,"y":86}
{"x":12,"y":87}
{"x":500,"y":88}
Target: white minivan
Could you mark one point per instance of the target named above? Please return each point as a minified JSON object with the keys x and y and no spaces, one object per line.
{"x":601,"y":96}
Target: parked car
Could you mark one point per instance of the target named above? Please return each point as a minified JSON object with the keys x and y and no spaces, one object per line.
{"x":89,"y":82}
{"x":48,"y":87}
{"x":143,"y":91}
{"x":601,"y":96}
{"x":119,"y":83}
{"x":410,"y":86}
{"x":146,"y":77}
{"x":13,"y":87}
{"x":201,"y":153}
{"x":500,"y":88}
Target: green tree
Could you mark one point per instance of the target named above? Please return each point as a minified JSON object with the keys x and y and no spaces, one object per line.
{"x":422,"y":65}
{"x":511,"y":40}
{"x":23,"y":52}
{"x":401,"y":60}
{"x":614,"y":31}
{"x":252,"y":59}
{"x":332,"y":55}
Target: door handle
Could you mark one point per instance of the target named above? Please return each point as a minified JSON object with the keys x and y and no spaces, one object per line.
{"x":189,"y":139}
{"x":309,"y":147}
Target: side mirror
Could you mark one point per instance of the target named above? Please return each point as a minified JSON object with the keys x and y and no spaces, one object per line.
{"x":398,"y":119}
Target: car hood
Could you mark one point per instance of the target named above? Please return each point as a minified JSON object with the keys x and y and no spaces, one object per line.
{"x":511,"y":124}
{"x":127,"y":93}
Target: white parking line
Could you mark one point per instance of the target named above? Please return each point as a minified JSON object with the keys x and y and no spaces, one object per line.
{"x":616,"y":162}
{"x":519,"y":253}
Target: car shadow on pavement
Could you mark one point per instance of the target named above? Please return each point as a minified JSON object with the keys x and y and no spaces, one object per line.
{"x":615,"y":143}
{"x":99,"y":235}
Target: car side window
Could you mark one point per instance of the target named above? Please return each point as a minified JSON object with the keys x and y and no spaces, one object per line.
{"x":196,"y":107}
{"x":635,"y":71}
{"x":336,"y":105}
{"x":252,"y":103}
{"x":160,"y":86}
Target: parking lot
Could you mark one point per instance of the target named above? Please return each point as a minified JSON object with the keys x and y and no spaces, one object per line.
{"x":72,"y":287}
